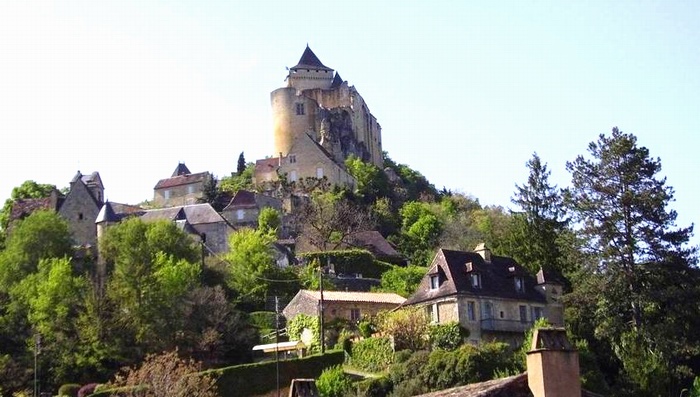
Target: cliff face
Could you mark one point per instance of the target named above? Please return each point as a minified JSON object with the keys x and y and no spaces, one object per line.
{"x":337,"y":135}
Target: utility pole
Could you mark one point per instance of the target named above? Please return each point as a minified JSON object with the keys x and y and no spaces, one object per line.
{"x":37,"y":348}
{"x":320,"y":279}
{"x":277,"y":342}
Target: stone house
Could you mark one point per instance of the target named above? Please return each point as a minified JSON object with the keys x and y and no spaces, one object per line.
{"x":492,"y":296}
{"x":81,"y":206}
{"x":244,"y":208}
{"x":182,"y":188}
{"x":199,"y":220}
{"x":338,"y":304}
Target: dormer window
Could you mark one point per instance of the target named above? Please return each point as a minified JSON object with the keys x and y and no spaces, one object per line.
{"x":434,"y":281}
{"x":476,"y":280}
{"x":519,"y":284}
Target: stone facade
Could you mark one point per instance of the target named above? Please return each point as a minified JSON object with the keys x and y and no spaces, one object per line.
{"x":337,"y":304}
{"x":81,"y":206}
{"x":182,"y":188}
{"x":318,"y":122}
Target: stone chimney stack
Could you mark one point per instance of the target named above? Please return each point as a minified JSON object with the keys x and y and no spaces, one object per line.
{"x":484,"y":251}
{"x":552,"y":365}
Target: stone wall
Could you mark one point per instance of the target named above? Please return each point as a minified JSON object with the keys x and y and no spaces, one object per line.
{"x":179,"y":195}
{"x":80,"y":210}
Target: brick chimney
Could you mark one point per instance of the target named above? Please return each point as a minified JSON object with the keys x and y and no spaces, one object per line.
{"x":552,"y":365}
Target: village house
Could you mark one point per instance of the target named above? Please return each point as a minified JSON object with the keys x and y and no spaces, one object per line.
{"x":492,"y":296}
{"x":338,"y":304}
{"x":182,"y":188}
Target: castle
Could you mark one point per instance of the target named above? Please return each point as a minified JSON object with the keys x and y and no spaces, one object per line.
{"x":319,"y":121}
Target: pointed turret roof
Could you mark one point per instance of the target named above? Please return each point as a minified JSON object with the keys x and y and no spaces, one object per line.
{"x":309,"y":60}
{"x":106,"y":214}
{"x":181,"y":170}
{"x":337,"y":80}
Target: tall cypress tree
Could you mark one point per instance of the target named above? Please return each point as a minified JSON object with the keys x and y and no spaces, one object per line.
{"x":241,"y":164}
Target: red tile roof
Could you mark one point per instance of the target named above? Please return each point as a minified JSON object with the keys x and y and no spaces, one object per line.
{"x":181,"y":180}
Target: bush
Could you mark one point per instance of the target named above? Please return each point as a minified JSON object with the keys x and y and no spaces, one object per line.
{"x":297,"y":325}
{"x":69,"y":389}
{"x":350,"y":262}
{"x":374,"y":387}
{"x":372,"y":354}
{"x":333,"y":382}
{"x":447,"y":336}
{"x":366,"y":328}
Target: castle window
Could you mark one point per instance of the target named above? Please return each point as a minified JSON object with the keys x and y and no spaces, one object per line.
{"x":355,"y":314}
{"x":292,"y":158}
{"x":190,"y":189}
{"x":80,"y":216}
{"x":319,"y":173}
{"x":166,"y":194}
{"x":240,"y":214}
{"x":293,"y":176}
{"x":300,"y":109}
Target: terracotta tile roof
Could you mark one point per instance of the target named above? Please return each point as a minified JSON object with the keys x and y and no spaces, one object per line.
{"x":181,"y":180}
{"x":497,"y":278}
{"x":309,"y":60}
{"x":342,"y":296}
{"x":267,"y":165}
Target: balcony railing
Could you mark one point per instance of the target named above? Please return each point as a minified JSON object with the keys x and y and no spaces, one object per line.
{"x":493,"y":324}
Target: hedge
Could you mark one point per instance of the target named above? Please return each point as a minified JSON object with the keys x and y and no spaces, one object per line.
{"x":259,"y":378}
{"x":350,"y":262}
{"x":372,"y":354}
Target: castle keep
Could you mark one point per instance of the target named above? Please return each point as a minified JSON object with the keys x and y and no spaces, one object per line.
{"x":319,"y":121}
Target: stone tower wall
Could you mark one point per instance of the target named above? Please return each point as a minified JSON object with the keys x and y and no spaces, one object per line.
{"x":286,"y":123}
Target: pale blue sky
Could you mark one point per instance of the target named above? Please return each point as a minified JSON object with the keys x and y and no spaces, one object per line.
{"x":465,"y":91}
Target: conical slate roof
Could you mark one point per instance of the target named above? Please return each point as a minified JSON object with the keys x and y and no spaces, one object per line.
{"x":106,"y":214}
{"x":337,"y":80}
{"x":309,"y":60}
{"x":181,"y":170}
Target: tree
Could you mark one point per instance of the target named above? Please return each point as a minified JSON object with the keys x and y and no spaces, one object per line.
{"x":372,"y":182}
{"x":541,"y":221}
{"x":42,"y":235}
{"x":211,"y":193}
{"x":402,"y":280}
{"x":622,"y":209}
{"x":269,"y":221}
{"x":165,"y":375}
{"x":27,"y":190}
{"x":240,"y":168}
{"x":329,"y":220}
{"x":420,"y":231}
{"x":240,"y":181}
{"x":408,"y":326}
{"x":252,"y":271}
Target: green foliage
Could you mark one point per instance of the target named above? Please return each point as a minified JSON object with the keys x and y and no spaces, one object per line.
{"x":255,"y":379}
{"x":447,"y":336}
{"x":211,"y":193}
{"x":69,"y":389}
{"x":240,"y":181}
{"x":333,"y":382}
{"x":374,"y":387}
{"x":366,"y":328}
{"x":269,"y":221}
{"x":296,"y":326}
{"x":408,"y":326}
{"x":241,"y":165}
{"x":372,"y":354}
{"x":28,"y":189}
{"x":372,"y":182}
{"x":695,"y":390}
{"x":252,"y":266}
{"x":349,"y":262}
{"x":42,"y":235}
{"x":402,"y":280}
{"x":420,"y":231}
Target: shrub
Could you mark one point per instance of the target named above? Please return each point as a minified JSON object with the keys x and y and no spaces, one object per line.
{"x":408,"y":326}
{"x":300,"y":322}
{"x":372,"y":354}
{"x":366,"y":328}
{"x":350,"y":262}
{"x":333,"y":382}
{"x":374,"y":387}
{"x":69,"y":389}
{"x":447,"y":336}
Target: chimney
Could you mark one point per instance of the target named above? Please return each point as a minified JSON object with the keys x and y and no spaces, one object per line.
{"x":552,"y":365}
{"x":279,"y":160}
{"x":484,"y":251}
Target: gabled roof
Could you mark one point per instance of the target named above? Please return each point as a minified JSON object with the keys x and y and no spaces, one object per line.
{"x":106,"y":214}
{"x":267,"y":165}
{"x":367,"y":297}
{"x":497,"y":278}
{"x":181,"y":169}
{"x":512,"y":386}
{"x":309,"y":60}
{"x":181,"y":180}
